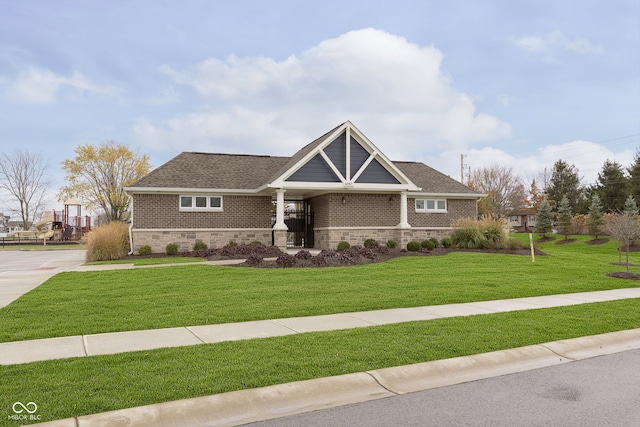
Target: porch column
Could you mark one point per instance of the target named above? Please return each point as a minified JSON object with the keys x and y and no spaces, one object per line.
{"x":404,"y":229}
{"x":280,"y":228}
{"x":404,"y":222}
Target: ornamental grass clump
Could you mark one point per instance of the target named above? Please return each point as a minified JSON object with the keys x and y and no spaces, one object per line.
{"x":488,"y":233}
{"x":492,"y":230}
{"x":467,"y":234}
{"x":108,"y":242}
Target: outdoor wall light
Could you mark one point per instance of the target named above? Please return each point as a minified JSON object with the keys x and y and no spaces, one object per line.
{"x":344,"y":200}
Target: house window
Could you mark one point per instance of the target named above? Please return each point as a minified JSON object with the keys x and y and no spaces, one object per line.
{"x":200,"y":203}
{"x":431,"y":205}
{"x":532,"y":218}
{"x":515,"y":218}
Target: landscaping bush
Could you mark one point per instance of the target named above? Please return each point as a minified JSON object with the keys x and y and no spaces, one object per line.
{"x":254,"y":260}
{"x":144,"y":250}
{"x":467,"y":234}
{"x":303,"y":254}
{"x":428,"y":245}
{"x":200,"y":246}
{"x":392,"y":244}
{"x":107,"y":242}
{"x":370,"y":242}
{"x":492,"y":230}
{"x":435,"y":242}
{"x":171,"y":249}
{"x":514,"y":244}
{"x":447,"y":242}
{"x":343,"y":246}
{"x":286,"y":260}
{"x":414,"y":246}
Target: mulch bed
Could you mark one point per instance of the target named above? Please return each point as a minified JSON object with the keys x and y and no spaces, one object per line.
{"x":624,"y":275}
{"x":256,"y":255}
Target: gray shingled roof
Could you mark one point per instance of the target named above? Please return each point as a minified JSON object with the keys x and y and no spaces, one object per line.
{"x":250,"y":172}
{"x":213,"y":171}
{"x":432,"y":181}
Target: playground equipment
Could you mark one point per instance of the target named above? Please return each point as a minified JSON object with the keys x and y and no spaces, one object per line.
{"x":61,"y":225}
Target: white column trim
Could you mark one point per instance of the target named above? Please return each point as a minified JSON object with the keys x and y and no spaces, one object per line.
{"x":280,"y":225}
{"x":404,"y":221}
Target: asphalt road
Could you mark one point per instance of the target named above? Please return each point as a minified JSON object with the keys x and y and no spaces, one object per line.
{"x":601,"y":391}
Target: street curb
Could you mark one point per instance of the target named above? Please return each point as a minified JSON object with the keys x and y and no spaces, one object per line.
{"x":245,"y":406}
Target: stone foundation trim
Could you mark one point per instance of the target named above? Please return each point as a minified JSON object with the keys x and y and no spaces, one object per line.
{"x":329,"y":237}
{"x":158,"y":239}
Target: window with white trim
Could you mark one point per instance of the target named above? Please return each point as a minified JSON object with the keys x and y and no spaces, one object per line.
{"x":431,"y":205}
{"x":200,"y":203}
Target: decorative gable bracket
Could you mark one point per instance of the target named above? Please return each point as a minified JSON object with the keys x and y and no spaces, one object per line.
{"x":345,"y":159}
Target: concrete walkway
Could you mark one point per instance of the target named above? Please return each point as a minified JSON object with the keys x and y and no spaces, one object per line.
{"x":119,"y":342}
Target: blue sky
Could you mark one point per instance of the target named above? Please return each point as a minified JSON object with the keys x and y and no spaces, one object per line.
{"x":521,"y":83}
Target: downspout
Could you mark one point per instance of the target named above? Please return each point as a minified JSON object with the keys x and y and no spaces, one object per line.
{"x":130,"y":223}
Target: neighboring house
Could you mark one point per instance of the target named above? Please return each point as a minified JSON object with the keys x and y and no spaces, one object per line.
{"x":523,"y":220}
{"x":338,"y":187}
{"x":4,"y":223}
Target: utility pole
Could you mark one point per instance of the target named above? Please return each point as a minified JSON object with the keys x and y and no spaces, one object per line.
{"x":462,"y":156}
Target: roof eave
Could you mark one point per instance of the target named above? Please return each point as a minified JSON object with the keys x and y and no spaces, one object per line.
{"x":176,"y":190}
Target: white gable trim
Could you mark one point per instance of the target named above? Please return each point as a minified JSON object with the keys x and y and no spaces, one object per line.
{"x":347,"y":181}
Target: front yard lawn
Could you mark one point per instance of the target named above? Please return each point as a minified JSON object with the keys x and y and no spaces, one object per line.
{"x":74,"y":387}
{"x":78,"y":303}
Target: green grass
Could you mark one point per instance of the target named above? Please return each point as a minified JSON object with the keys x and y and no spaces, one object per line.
{"x":78,"y":303}
{"x":150,"y":261}
{"x":79,"y":386}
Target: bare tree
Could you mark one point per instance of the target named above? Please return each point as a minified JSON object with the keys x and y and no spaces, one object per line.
{"x":23,"y":176}
{"x":625,"y":227}
{"x":504,"y":188}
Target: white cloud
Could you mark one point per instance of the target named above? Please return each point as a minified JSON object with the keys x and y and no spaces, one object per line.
{"x":393,"y":90}
{"x":587,"y":156}
{"x":555,"y":41}
{"x":35,"y":86}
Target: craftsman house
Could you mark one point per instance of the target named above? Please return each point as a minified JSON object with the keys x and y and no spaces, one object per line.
{"x":338,"y":187}
{"x":523,"y":219}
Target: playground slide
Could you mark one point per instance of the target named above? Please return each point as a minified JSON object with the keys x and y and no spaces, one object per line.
{"x":46,"y":235}
{"x":45,"y":232}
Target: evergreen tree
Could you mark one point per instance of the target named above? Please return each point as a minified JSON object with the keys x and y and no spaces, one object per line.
{"x":612,"y":186}
{"x":565,"y":181}
{"x":634,"y":176}
{"x":595,"y":219}
{"x":544,"y":218}
{"x":565,"y":218}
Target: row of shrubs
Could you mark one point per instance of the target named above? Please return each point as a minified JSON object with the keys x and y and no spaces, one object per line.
{"x":415,"y":246}
{"x":111,"y":241}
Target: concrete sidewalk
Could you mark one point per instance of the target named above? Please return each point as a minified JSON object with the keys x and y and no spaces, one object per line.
{"x":119,"y":342}
{"x":247,"y":406}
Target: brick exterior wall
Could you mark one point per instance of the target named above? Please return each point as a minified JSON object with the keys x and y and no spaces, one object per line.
{"x":337,"y":217}
{"x":456,"y":209}
{"x":160,"y":211}
{"x":356,"y":210}
{"x":376,"y":216}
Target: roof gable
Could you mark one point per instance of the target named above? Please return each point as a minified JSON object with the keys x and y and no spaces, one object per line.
{"x":345,"y":158}
{"x":342,"y":159}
